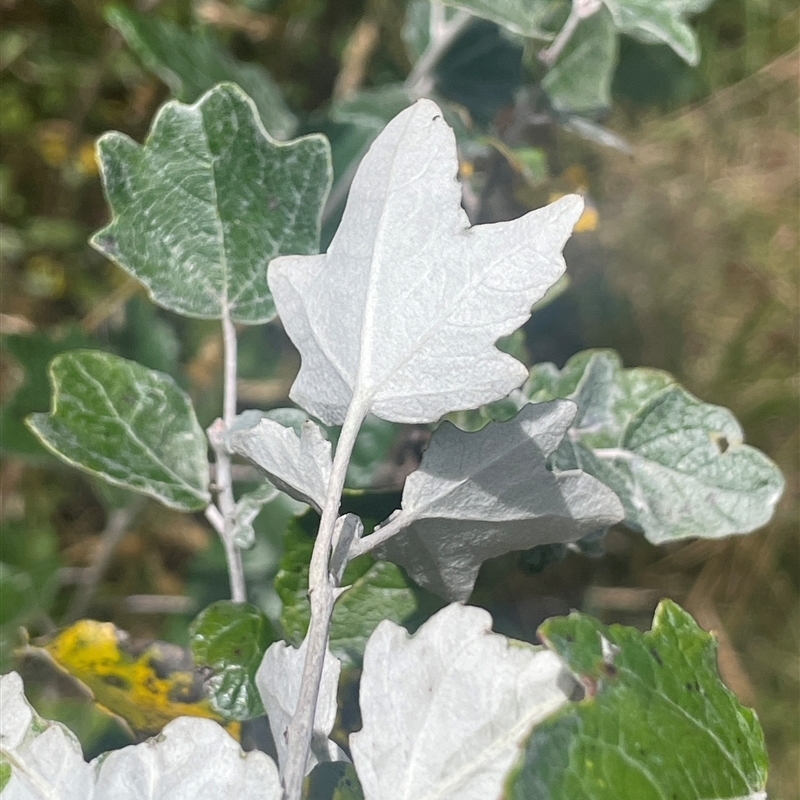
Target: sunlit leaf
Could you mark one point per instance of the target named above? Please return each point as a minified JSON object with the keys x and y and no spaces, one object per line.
{"x":657,"y":720}
{"x":278,"y":680}
{"x":126,"y":424}
{"x":680,"y":466}
{"x":446,"y":711}
{"x":202,"y":207}
{"x":298,"y":465}
{"x":401,"y":315}
{"x":480,"y":495}
{"x":228,"y":641}
{"x":147,"y":684}
{"x":191,"y":758}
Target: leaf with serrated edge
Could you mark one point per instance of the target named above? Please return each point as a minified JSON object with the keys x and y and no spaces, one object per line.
{"x":127,"y":424}
{"x":297,"y":465}
{"x":657,"y":722}
{"x":278,"y":680}
{"x":401,"y":315}
{"x":191,"y":758}
{"x":446,"y":710}
{"x":480,"y":495}
{"x":680,"y":466}
{"x":210,"y":198}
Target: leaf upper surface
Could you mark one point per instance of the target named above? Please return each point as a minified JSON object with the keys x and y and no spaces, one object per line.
{"x":445,"y":711}
{"x":680,"y":466}
{"x":657,"y":721}
{"x":202,"y":207}
{"x":482,"y":494}
{"x":400,"y":316}
{"x":127,"y":424}
{"x":231,"y":639}
{"x":192,"y":63}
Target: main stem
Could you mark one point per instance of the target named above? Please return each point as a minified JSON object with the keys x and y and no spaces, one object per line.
{"x":224,"y":479}
{"x":321,"y":598}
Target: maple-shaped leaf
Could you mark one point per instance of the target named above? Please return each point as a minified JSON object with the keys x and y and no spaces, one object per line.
{"x":480,"y":495}
{"x":401,"y":315}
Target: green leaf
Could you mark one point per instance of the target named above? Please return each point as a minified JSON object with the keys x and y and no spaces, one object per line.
{"x":128,"y":425}
{"x":679,"y":465}
{"x":32,"y":353}
{"x":663,"y":22}
{"x":656,"y":722}
{"x":192,"y":63}
{"x":372,"y":108}
{"x":580,"y":80}
{"x":207,"y":202}
{"x":230,"y":639}
{"x":535,"y":18}
{"x":28,"y":578}
{"x":376,"y":590}
{"x":333,"y":780}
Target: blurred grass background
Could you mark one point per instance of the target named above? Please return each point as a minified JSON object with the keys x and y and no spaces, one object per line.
{"x":693,"y":268}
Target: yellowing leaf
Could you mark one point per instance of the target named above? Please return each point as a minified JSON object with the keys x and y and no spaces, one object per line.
{"x":146,"y":684}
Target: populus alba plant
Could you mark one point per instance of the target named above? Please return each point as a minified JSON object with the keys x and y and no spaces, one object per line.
{"x":399,"y":320}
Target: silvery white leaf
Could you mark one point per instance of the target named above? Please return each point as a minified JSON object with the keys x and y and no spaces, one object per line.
{"x":446,"y":710}
{"x":278,"y":680}
{"x":248,"y":507}
{"x":401,"y":315}
{"x":297,"y":465}
{"x":191,"y":758}
{"x":45,"y":757}
{"x":480,"y":495}
{"x":348,"y":529}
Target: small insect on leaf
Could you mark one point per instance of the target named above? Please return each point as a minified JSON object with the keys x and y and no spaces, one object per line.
{"x":147,"y":684}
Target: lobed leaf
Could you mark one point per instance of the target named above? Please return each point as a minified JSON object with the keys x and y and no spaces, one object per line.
{"x":191,"y":758}
{"x":202,"y":207}
{"x":401,"y":315}
{"x":480,"y":495}
{"x":229,"y":641}
{"x":656,"y":721}
{"x":446,"y":711}
{"x":127,"y":424}
{"x":679,"y":465}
